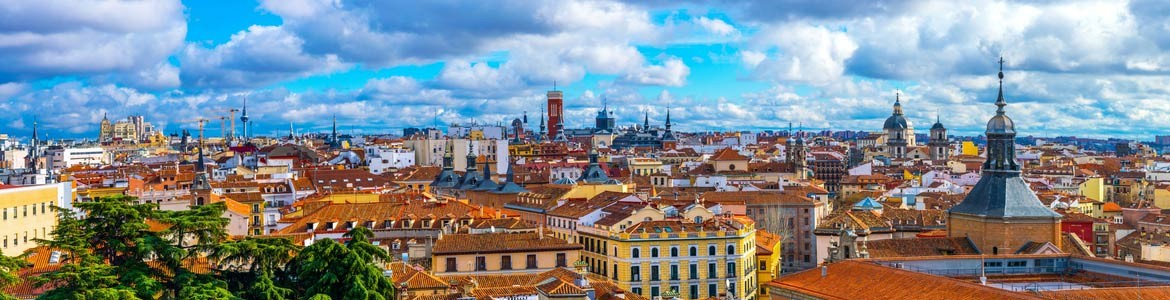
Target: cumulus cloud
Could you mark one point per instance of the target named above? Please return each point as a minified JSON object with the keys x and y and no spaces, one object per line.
{"x":252,"y":58}
{"x":803,"y":53}
{"x":41,"y":39}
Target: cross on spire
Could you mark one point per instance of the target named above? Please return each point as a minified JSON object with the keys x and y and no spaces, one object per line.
{"x":1000,"y":102}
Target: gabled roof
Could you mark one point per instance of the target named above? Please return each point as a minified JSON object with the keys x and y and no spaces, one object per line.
{"x":728,"y":154}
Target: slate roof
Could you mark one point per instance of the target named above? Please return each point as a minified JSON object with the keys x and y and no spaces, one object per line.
{"x":1003,"y":195}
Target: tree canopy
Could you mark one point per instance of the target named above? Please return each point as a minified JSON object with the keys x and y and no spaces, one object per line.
{"x":111,"y":252}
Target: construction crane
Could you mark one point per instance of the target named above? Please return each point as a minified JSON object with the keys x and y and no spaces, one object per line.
{"x":223,"y":128}
{"x":232,"y":119}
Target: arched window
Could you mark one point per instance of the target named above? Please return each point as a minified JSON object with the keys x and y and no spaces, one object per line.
{"x":730,"y":249}
{"x":653,"y":252}
{"x":711,"y":250}
{"x":635,"y":253}
{"x":673,"y":251}
{"x":694,"y":251}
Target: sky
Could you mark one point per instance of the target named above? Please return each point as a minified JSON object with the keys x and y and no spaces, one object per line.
{"x":1086,"y":68}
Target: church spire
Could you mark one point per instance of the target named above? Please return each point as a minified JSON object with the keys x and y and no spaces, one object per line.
{"x":1000,"y":102}
{"x":646,"y":121}
{"x":898,"y":103}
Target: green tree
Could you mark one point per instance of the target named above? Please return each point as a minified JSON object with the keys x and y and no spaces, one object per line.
{"x":343,"y":272}
{"x":244,"y":263}
{"x":265,"y":289}
{"x":9,"y":266}
{"x":82,"y":274}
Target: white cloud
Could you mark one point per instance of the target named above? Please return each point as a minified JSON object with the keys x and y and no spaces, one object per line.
{"x":255,"y":57}
{"x":716,"y":26}
{"x":40,"y":39}
{"x":805,"y":53}
{"x":673,"y":72}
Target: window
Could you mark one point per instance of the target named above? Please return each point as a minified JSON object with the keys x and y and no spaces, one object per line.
{"x":636,"y":274}
{"x":694,"y":251}
{"x":711,"y":250}
{"x":763,"y":265}
{"x":694,"y":291}
{"x":635,"y":253}
{"x":730,"y":269}
{"x":694,"y":274}
{"x":673,"y":251}
{"x":531,"y":261}
{"x":730,"y":249}
{"x":561,"y":261}
{"x":711,"y":274}
{"x":712,"y":290}
{"x":673,"y":272}
{"x":654,"y":273}
{"x":654,"y":252}
{"x":731,"y":290}
{"x":654,"y":291}
{"x":1017,"y":263}
{"x":480,"y":263}
{"x":451,"y":264}
{"x":506,"y":262}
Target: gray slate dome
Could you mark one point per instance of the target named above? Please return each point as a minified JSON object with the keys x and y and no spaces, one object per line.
{"x":1000,"y":124}
{"x":937,"y":125}
{"x":896,"y":122}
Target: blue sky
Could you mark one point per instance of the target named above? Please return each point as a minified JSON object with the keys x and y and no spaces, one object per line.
{"x":1089,"y":68}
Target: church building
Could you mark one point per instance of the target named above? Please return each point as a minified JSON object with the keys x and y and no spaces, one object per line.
{"x":1001,"y":214}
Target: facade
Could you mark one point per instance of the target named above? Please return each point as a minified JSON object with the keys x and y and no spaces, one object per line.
{"x":61,"y":158}
{"x":695,"y":260}
{"x":383,"y":159}
{"x":1001,"y":213}
{"x":501,"y":253}
{"x":28,"y":214}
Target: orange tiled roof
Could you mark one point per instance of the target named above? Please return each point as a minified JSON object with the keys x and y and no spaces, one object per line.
{"x":866,"y":280}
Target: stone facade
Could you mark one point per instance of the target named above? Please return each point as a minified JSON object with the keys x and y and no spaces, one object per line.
{"x":1000,"y":236}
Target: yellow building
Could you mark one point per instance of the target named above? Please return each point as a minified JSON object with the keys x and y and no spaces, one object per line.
{"x":1161,"y":196}
{"x":695,"y":258}
{"x":644,"y":166}
{"x":1094,"y":188}
{"x":27,"y":214}
{"x":969,"y":148}
{"x":768,"y":255}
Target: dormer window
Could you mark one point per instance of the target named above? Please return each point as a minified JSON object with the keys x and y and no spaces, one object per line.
{"x":349,"y":225}
{"x":330,"y":225}
{"x":387,"y":224}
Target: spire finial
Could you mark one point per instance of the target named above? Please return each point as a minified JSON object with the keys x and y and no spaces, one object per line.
{"x":1000,"y":102}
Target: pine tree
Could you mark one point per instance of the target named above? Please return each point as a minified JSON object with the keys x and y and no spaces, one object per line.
{"x":343,"y":272}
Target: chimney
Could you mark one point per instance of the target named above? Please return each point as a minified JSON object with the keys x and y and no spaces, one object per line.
{"x":824,"y":271}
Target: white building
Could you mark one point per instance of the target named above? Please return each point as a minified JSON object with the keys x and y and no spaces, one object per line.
{"x":381,"y":158}
{"x":61,"y":158}
{"x":430,"y":152}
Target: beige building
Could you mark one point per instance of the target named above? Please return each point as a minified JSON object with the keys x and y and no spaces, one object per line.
{"x":27,"y":214}
{"x":501,"y":253}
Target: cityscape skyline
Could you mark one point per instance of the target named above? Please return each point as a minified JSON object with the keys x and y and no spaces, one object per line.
{"x":723,"y":66}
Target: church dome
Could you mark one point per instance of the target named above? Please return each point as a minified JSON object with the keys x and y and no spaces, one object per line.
{"x":937,"y":125}
{"x":896,"y":121}
{"x":1000,"y":124}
